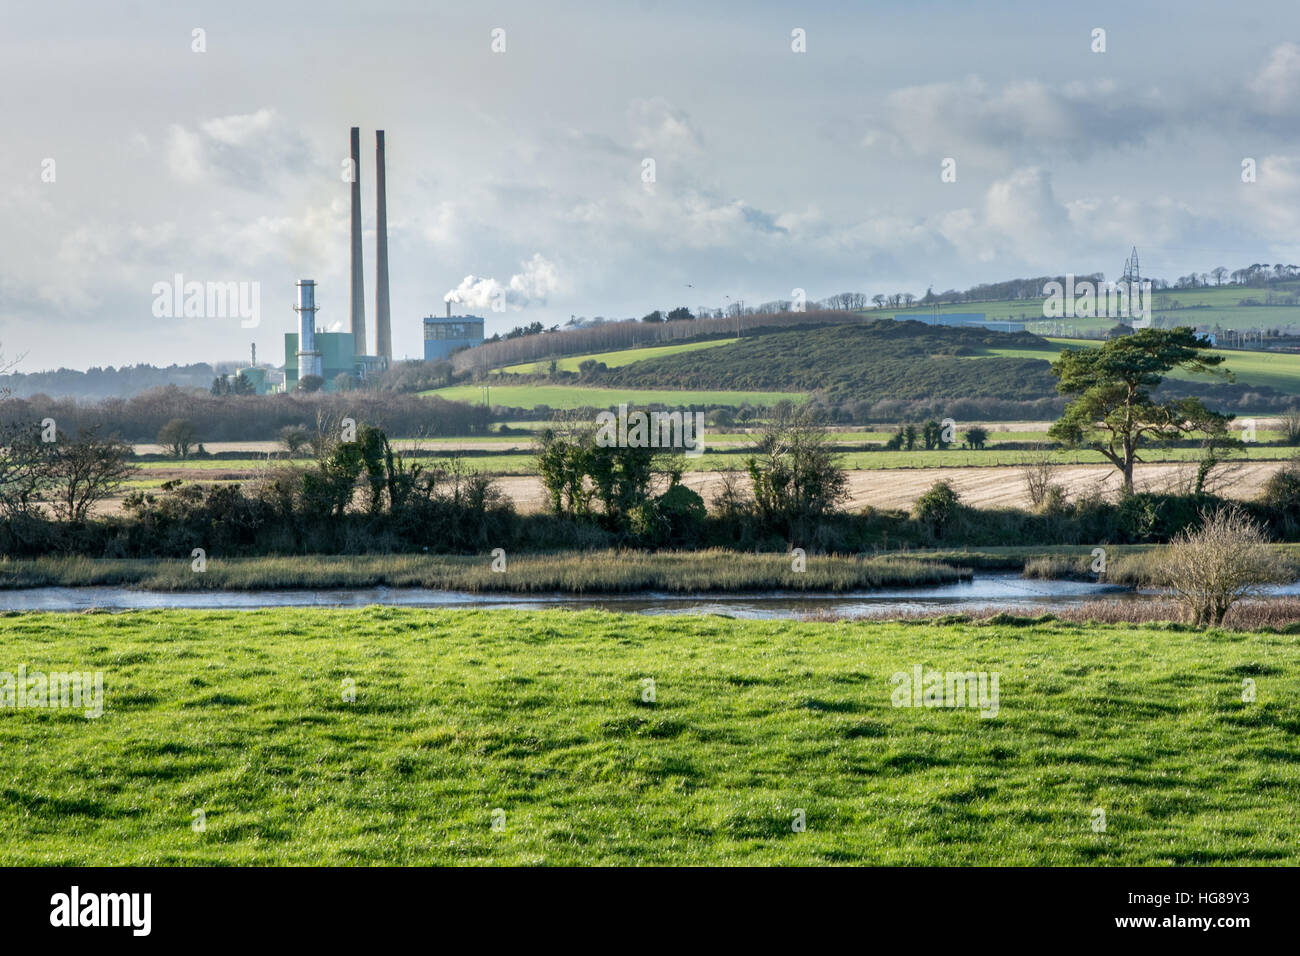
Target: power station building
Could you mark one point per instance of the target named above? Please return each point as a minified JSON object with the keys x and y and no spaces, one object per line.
{"x":331,"y":354}
{"x":442,"y":336}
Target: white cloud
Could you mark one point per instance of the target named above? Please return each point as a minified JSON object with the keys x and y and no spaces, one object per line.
{"x":657,"y":125}
{"x":249,"y":151}
{"x":1277,"y":84}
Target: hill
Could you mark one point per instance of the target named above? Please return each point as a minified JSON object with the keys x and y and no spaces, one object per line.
{"x":872,"y":361}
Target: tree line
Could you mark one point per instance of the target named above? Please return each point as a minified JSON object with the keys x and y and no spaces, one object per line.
{"x":245,"y":417}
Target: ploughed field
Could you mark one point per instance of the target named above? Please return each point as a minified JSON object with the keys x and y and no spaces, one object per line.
{"x":887,"y":479}
{"x":386,"y":736}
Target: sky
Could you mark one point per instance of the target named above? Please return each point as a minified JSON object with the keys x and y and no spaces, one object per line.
{"x":518,"y":174}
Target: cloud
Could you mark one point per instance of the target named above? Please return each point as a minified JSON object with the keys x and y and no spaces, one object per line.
{"x":1277,"y":84}
{"x":1029,"y":118}
{"x":250,"y":151}
{"x":1274,"y":197}
{"x":538,"y":280}
{"x":656,"y":124}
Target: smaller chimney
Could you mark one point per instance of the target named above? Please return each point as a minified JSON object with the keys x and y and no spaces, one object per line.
{"x":449,"y":308}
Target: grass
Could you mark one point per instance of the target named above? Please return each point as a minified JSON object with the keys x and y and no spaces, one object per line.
{"x":586,"y":572}
{"x":544,"y":716}
{"x":610,"y":359}
{"x":1279,"y":370}
{"x":1204,"y":306}
{"x":515,"y":462}
{"x":579,"y":396}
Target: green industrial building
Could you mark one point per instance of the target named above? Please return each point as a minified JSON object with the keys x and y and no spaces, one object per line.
{"x":336,"y":356}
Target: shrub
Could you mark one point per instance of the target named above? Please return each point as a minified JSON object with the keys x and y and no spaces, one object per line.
{"x":937,"y":507}
{"x":1038,"y":475}
{"x":1212,"y":567}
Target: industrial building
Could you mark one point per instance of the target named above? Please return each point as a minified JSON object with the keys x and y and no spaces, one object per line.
{"x":328,"y":355}
{"x":442,"y":336}
{"x":324,"y":354}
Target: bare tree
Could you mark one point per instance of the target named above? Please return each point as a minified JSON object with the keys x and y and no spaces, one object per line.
{"x":24,"y":475}
{"x":85,"y":471}
{"x":1291,"y":425}
{"x":1211,"y":567}
{"x":1038,"y":474}
{"x":178,"y":436}
{"x":732,"y":497}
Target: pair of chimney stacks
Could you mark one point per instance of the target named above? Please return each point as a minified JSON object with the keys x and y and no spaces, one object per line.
{"x":383,"y":323}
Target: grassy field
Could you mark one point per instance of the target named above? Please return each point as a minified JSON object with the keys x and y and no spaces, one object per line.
{"x":611,"y":359}
{"x":1280,"y":370}
{"x":544,"y":725}
{"x":578,"y":396}
{"x":1205,"y":306}
{"x":732,"y":456}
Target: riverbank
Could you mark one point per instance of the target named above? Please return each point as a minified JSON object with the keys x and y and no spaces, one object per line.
{"x":405,"y":737}
{"x":592,"y":572}
{"x":1277,"y":614}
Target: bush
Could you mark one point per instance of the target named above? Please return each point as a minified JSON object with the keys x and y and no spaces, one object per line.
{"x":674,"y":518}
{"x":1211,"y":567}
{"x":937,"y":507}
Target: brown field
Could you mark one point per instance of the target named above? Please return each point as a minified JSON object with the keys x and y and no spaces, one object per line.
{"x":982,"y":487}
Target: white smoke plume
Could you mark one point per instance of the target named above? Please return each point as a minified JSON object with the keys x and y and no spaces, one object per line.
{"x":538,"y":280}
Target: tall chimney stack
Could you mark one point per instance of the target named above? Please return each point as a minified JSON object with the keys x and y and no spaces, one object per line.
{"x":383,"y":327}
{"x":358,"y":280}
{"x":309,"y":359}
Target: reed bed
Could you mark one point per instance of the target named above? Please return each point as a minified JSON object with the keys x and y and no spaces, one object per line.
{"x":1259,"y":614}
{"x":581,"y":573}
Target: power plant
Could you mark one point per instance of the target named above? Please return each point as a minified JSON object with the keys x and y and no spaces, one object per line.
{"x":337,"y":357}
{"x":328,"y":355}
{"x":444,"y":336}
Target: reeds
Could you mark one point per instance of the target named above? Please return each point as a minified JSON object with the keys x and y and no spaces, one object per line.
{"x":572,"y":573}
{"x":1261,"y":614}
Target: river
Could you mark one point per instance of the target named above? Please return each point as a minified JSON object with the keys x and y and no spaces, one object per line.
{"x":1010,"y":591}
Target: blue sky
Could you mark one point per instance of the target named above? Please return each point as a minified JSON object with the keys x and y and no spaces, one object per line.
{"x":774,"y":170}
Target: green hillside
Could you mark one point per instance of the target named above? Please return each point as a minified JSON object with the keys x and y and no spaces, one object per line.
{"x":1212,"y":306}
{"x":1279,"y":370}
{"x":610,"y":359}
{"x":868,"y":362}
{"x":584,"y":396}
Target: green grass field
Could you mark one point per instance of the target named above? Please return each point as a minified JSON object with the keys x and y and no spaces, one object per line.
{"x":578,"y":396}
{"x":541,"y":724}
{"x":611,"y":359}
{"x":1279,"y":370}
{"x":1205,"y":306}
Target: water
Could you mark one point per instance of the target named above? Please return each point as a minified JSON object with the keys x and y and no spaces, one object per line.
{"x":983,"y":591}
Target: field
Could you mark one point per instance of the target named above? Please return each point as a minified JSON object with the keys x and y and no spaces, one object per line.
{"x":984,"y":487}
{"x":989,"y":478}
{"x":612,"y":359}
{"x":1204,"y":306}
{"x":1279,"y":370}
{"x":534,"y":738}
{"x":578,"y":396}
